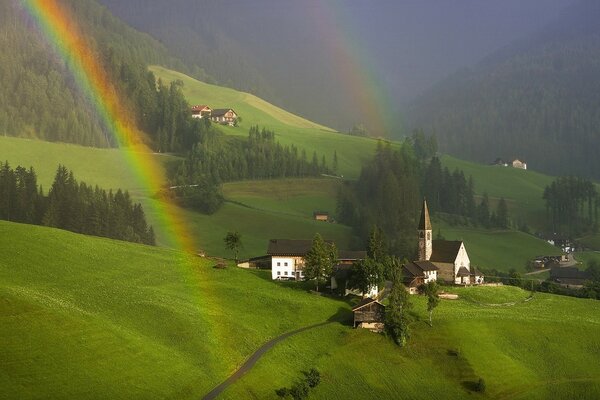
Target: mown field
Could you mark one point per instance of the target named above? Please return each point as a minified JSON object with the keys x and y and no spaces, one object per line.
{"x":290,"y":129}
{"x":84,"y":317}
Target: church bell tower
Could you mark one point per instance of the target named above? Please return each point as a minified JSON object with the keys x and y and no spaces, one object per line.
{"x":425,"y":242}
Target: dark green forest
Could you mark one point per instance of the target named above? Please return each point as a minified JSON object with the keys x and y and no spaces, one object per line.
{"x":216,"y":158}
{"x":40,"y":98}
{"x":390,"y":190}
{"x":572,"y":206}
{"x":71,"y":205}
{"x":536,"y":100}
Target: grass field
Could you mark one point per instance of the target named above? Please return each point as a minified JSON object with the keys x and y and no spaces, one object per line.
{"x":290,"y":129}
{"x":501,"y":249}
{"x":526,"y":351}
{"x":522,"y":189}
{"x":259,"y":210}
{"x":84,"y":317}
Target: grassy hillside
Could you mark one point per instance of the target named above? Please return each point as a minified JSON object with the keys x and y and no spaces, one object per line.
{"x":527,"y":351}
{"x":522,"y":189}
{"x":84,"y":317}
{"x":502,"y":250}
{"x":100,"y":318}
{"x":290,"y":129}
{"x":259,"y":210}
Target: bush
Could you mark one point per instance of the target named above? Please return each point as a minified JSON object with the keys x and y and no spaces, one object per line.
{"x":480,"y":387}
{"x":313,"y":377}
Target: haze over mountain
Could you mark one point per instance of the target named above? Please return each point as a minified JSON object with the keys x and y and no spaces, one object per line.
{"x":296,"y":54}
{"x":536,"y":99}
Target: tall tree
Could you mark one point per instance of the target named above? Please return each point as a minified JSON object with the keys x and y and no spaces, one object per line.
{"x":365,"y":275}
{"x":430,"y":290}
{"x":233,"y":242}
{"x":319,"y":261}
{"x":396,"y":316}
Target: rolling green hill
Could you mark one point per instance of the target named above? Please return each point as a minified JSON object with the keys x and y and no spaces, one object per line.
{"x":290,"y":129}
{"x":84,"y":317}
{"x":261,"y":210}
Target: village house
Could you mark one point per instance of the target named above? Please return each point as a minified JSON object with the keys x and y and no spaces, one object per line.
{"x":287,"y":262}
{"x":321,"y":216}
{"x":516,"y":163}
{"x":569,"y":277}
{"x":341,"y":274}
{"x":201,"y":111}
{"x":224,"y":116}
{"x":369,"y":314}
{"x":445,"y":260}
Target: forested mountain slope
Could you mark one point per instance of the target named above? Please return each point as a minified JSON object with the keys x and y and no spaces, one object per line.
{"x":537,"y":100}
{"x":40,"y":98}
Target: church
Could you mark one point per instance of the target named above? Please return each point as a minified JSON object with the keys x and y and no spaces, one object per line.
{"x":439,"y":260}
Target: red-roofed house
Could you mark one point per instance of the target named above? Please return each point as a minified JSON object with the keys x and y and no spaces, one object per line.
{"x":201,"y":111}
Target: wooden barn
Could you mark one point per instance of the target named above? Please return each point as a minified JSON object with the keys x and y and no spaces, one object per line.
{"x":225,"y":116}
{"x":369,"y":314}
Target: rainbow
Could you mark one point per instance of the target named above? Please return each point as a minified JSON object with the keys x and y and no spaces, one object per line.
{"x":65,"y":36}
{"x":353,"y":64}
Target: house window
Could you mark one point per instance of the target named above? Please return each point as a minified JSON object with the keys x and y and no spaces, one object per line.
{"x":285,"y":272}
{"x":278,"y":272}
{"x":278,"y":264}
{"x":285,"y":264}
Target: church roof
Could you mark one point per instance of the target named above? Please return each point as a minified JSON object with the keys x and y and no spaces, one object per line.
{"x":425,"y":222}
{"x":445,"y":251}
{"x":462,"y":271}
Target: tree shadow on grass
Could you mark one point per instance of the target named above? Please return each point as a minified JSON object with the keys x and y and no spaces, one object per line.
{"x":343,"y":316}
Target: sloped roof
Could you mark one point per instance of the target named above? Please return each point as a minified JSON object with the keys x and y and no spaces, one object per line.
{"x":410,"y":270}
{"x":475,"y":271}
{"x":200,"y":107}
{"x":425,"y":222}
{"x":366,"y":302}
{"x":352,"y":255}
{"x":425,"y":265}
{"x":445,"y":251}
{"x":462,"y":271}
{"x":568,"y":273}
{"x":217,"y":112}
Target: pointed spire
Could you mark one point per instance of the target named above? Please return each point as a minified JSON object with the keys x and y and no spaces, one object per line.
{"x":425,"y":222}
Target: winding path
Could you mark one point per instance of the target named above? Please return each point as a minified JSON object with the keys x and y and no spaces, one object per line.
{"x":247,"y":366}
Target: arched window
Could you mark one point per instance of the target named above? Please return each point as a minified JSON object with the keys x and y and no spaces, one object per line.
{"x":428,"y":235}
{"x":421,"y":234}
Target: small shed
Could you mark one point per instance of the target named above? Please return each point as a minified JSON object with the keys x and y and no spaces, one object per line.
{"x":369,"y":314}
{"x":321,"y":216}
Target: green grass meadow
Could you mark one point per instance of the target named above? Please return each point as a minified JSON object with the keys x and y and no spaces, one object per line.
{"x":499,"y":249}
{"x":526,"y":351}
{"x":84,"y":317}
{"x":290,"y":129}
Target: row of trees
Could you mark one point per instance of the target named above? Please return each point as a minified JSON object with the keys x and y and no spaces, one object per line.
{"x":572,"y":206}
{"x":390,"y":189}
{"x":70,"y":205}
{"x":219,"y":158}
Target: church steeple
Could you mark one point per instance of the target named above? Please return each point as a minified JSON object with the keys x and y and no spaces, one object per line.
{"x":425,"y":241}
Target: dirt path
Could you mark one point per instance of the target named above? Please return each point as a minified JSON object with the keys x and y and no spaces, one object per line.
{"x":247,"y":366}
